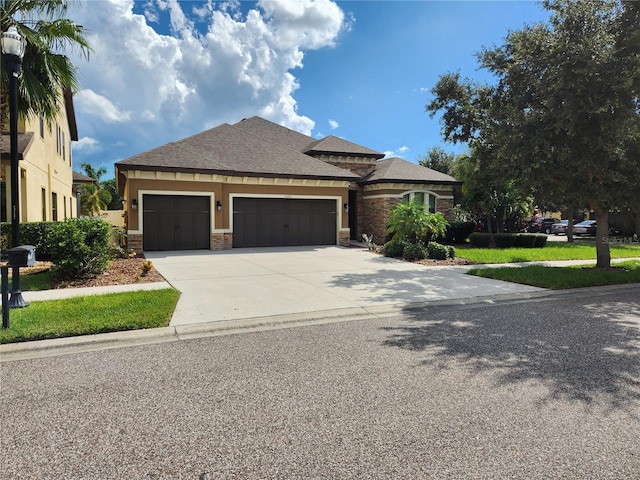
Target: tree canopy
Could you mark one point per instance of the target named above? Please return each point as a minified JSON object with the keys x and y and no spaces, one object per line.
{"x":563,"y":118}
{"x":46,"y":70}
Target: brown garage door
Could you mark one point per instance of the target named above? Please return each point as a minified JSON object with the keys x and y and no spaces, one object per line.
{"x":175,"y":222}
{"x":272,"y":222}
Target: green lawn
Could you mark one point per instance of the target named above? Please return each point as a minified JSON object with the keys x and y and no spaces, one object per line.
{"x":90,"y":315}
{"x":557,"y":278}
{"x":552,"y":251}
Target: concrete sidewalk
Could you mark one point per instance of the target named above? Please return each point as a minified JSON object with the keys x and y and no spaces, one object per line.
{"x":249,"y":289}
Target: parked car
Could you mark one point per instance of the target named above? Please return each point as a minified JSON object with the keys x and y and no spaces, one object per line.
{"x":560,"y":227}
{"x":588,"y":227}
{"x":541,"y":225}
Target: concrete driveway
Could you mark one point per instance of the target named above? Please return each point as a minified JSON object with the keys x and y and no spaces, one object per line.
{"x":266,"y":282}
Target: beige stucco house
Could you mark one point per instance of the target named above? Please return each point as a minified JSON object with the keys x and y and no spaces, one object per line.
{"x":45,"y":163}
{"x":256,"y":183}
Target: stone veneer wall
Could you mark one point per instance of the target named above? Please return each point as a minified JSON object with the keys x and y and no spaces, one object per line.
{"x":445,"y":207}
{"x":376,"y":216}
{"x":134,"y":242}
{"x":221,"y":241}
{"x":344,"y":238}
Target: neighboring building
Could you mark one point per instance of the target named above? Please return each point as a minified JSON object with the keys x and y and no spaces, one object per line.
{"x":256,"y":183}
{"x":46,"y":175}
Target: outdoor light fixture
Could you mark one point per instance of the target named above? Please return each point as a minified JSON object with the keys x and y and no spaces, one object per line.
{"x":13,"y":46}
{"x":218,"y":205}
{"x":346,"y":208}
{"x":134,"y":204}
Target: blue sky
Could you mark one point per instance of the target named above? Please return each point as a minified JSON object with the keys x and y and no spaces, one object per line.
{"x":162,"y":70}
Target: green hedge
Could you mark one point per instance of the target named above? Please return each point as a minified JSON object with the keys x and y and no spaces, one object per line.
{"x":508,"y":240}
{"x":480,"y":240}
{"x":505,"y":240}
{"x":458,"y":232}
{"x":77,"y":246}
{"x":526,"y":240}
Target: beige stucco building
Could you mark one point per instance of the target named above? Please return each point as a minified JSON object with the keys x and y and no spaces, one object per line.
{"x":45,"y":163}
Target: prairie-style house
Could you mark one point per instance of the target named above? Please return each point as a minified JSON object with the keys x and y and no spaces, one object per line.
{"x":259,"y":184}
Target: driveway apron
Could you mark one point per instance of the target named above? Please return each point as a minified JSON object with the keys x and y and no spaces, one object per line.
{"x":275,"y":281}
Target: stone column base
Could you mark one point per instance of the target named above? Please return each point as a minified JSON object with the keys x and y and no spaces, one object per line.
{"x":344,"y":238}
{"x":222,"y":241}
{"x":134,"y":242}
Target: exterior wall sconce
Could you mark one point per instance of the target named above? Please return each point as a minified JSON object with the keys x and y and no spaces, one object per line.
{"x":346,"y":208}
{"x":134,"y":204}
{"x":218,"y":205}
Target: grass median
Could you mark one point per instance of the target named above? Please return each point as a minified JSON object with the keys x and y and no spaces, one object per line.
{"x":558,"y":278}
{"x":552,"y":251}
{"x":89,"y":315}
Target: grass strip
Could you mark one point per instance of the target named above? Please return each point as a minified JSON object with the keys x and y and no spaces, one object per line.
{"x":558,"y":278}
{"x":93,"y":314}
{"x":552,"y":251}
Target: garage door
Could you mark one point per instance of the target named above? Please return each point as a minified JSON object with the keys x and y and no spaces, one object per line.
{"x":271,"y":222}
{"x":175,"y":222}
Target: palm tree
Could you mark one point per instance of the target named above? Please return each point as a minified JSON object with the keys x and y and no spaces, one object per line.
{"x":46,"y":71}
{"x":93,"y":199}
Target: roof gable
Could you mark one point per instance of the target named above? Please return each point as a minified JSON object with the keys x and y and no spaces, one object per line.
{"x":333,"y":145}
{"x":401,"y":171}
{"x":229,"y":150}
{"x":275,"y":133}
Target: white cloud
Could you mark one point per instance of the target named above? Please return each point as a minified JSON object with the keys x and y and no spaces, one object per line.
{"x":90,"y":102}
{"x":222,"y":62}
{"x":333,"y":124}
{"x":86,"y":144}
{"x":396,"y":153}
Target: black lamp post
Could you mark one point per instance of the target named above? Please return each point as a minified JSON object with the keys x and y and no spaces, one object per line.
{"x":13,"y":46}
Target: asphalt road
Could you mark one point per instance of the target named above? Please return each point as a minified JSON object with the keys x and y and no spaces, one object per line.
{"x":544,"y":389}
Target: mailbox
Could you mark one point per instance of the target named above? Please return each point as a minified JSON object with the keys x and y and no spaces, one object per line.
{"x":22,"y":256}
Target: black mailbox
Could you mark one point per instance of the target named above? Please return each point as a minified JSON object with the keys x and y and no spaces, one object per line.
{"x":22,"y":256}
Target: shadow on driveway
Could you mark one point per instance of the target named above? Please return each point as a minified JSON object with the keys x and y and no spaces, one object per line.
{"x":580,"y":350}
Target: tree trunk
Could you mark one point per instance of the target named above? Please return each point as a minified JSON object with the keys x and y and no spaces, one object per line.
{"x":603,"y":255}
{"x":570,"y":212}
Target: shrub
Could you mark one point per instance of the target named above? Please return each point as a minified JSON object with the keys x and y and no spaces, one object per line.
{"x":504,"y":240}
{"x":410,"y":221}
{"x":526,"y":240}
{"x":80,"y":247}
{"x":393,"y":248}
{"x":38,"y":234}
{"x":541,"y":240}
{"x":458,"y":232}
{"x":451,"y":251}
{"x":414,"y":251}
{"x":480,"y":240}
{"x":437,"y":251}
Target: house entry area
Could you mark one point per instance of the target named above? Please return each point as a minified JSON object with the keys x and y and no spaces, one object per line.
{"x":174,"y":222}
{"x":273,"y":222}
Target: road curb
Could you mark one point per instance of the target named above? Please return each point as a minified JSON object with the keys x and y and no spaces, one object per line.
{"x":63,"y":346}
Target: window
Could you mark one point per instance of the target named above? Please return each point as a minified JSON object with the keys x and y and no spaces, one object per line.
{"x":64,"y":206}
{"x":57,"y":139}
{"x":64,"y":147}
{"x":423,"y":197}
{"x":41,"y":120}
{"x":3,"y":201}
{"x":44,"y":205}
{"x":54,"y":206}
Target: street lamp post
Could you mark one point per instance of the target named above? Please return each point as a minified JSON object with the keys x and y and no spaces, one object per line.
{"x":13,"y":46}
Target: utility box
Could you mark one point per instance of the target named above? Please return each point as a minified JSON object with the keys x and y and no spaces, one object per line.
{"x":22,"y":256}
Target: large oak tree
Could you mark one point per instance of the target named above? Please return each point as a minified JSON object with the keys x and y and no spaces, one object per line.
{"x":563,"y":118}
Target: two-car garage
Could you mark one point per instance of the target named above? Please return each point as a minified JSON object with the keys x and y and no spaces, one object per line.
{"x":182,"y":222}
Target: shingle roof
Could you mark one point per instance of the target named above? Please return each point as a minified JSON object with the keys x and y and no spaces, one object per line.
{"x":81,"y":178}
{"x":229,"y":150}
{"x":24,"y":143}
{"x":401,"y":171}
{"x":275,"y":133}
{"x":333,"y":145}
